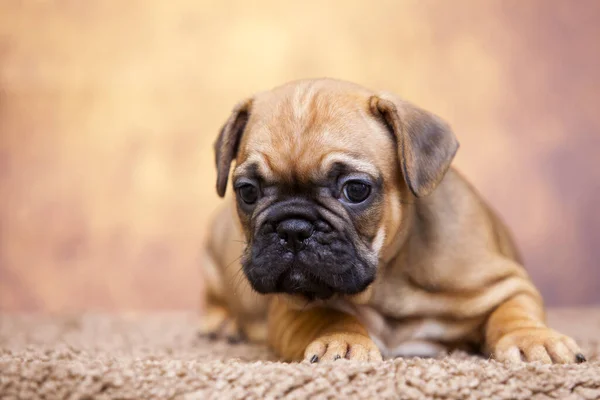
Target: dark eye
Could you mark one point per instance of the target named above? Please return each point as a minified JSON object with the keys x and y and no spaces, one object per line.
{"x":356,"y":191}
{"x":248,"y":193}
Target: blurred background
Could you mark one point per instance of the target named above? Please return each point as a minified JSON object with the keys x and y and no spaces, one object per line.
{"x":108,"y":112}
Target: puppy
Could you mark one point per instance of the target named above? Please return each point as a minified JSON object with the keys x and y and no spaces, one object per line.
{"x":349,"y":236}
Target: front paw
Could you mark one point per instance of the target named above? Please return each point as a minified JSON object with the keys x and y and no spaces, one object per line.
{"x":335,"y":346}
{"x":537,"y":344}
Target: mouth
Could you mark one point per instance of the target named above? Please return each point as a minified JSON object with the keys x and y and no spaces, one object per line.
{"x":297,"y":282}
{"x":306,"y":277}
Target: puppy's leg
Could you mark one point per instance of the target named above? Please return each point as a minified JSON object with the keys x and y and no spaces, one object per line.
{"x":217,"y":320}
{"x":232,"y":311}
{"x":318,"y":334}
{"x":516,"y":332}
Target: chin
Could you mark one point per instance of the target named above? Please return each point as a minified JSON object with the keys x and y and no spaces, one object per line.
{"x":301,"y":302}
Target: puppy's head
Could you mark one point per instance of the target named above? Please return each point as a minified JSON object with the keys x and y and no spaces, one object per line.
{"x":322,"y":171}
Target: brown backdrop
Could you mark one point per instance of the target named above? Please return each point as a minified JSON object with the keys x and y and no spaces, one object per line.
{"x":108,"y":110}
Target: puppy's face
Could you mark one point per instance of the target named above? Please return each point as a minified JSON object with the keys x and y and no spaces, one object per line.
{"x":319,"y":184}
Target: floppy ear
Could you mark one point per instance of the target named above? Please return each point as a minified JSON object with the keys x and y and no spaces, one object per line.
{"x":226,"y":145}
{"x":426,"y":144}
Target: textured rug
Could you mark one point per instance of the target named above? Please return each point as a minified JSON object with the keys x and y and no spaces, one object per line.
{"x":159,"y":356}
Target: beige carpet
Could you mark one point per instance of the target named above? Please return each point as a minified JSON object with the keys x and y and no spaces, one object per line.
{"x":159,"y":356}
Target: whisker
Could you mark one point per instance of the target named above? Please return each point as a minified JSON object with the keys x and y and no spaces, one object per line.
{"x":238,"y":279}
{"x":233,"y":262}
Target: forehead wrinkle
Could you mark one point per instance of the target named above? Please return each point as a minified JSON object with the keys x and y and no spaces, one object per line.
{"x":256,"y":160}
{"x":341,"y":157}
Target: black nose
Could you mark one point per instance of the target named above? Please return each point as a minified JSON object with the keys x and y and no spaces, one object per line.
{"x":294,"y":232}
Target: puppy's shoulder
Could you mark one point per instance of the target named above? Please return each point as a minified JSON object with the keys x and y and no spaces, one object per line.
{"x":454,"y":204}
{"x":457,"y":213}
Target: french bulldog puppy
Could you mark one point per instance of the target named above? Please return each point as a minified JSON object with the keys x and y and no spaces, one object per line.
{"x":349,"y":235}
